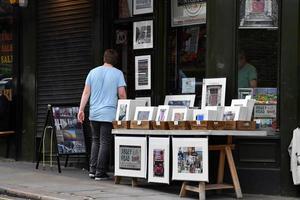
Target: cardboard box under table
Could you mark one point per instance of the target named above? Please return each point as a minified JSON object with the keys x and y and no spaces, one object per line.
{"x":225,"y":151}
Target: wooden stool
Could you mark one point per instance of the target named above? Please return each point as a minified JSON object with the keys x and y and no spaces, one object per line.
{"x":134,"y":181}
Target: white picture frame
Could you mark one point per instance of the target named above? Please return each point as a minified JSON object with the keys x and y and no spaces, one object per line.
{"x":143,"y":72}
{"x":143,"y":35}
{"x":180,"y":100}
{"x":164,"y":113}
{"x":218,"y":109}
{"x":235,"y":113}
{"x":159,"y":160}
{"x":249,"y":103}
{"x":125,"y":149}
{"x":213,"y":92}
{"x":181,"y":114}
{"x":126,"y":109}
{"x":204,"y":115}
{"x":146,"y":99}
{"x":142,"y":7}
{"x":145,"y":113}
{"x":196,"y":151}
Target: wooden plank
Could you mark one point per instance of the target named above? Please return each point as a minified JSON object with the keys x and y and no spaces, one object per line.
{"x":183,"y":190}
{"x":118,"y":180}
{"x":192,"y":188}
{"x":134,"y":182}
{"x":202,"y":195}
{"x":219,"y":147}
{"x":221,"y":167}
{"x":233,"y":172}
{"x":218,"y":186}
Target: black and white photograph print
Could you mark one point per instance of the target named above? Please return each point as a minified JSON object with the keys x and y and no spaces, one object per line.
{"x":143,"y":35}
{"x":143,"y":72}
{"x":142,"y":6}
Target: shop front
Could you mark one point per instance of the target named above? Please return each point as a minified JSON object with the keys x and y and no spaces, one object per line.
{"x":169,"y":47}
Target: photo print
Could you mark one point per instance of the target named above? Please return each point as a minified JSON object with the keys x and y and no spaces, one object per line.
{"x":143,"y":34}
{"x":179,"y":116}
{"x":213,"y":95}
{"x":213,"y":92}
{"x":158,"y":163}
{"x":162,"y":114}
{"x":190,"y":160}
{"x":143,"y":115}
{"x":179,"y":103}
{"x":122,"y":113}
{"x":180,"y":100}
{"x":143,"y":72}
{"x":142,"y":6}
{"x":130,"y":157}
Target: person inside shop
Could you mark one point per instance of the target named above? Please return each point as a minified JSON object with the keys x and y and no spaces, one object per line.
{"x":104,"y":85}
{"x":247,"y":75}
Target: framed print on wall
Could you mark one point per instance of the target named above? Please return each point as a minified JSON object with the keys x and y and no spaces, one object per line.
{"x":213,"y":92}
{"x":143,"y":72}
{"x":159,"y":160}
{"x":142,"y":6}
{"x":190,"y":159}
{"x":180,"y":100}
{"x":143,"y":34}
{"x":131,"y":156}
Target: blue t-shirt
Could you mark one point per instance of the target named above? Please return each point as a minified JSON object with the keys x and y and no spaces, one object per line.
{"x":104,"y":82}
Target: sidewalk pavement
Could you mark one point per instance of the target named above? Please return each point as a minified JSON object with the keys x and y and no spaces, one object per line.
{"x":21,"y":179}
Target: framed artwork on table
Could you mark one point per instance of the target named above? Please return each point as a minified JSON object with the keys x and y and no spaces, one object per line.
{"x":204,"y":115}
{"x":244,"y":92}
{"x":235,"y":113}
{"x":159,"y":160}
{"x":143,"y":34}
{"x":181,"y":114}
{"x":145,"y":113}
{"x":143,"y":72}
{"x":190,"y":159}
{"x":131,"y":156}
{"x":163,"y":113}
{"x":142,"y":7}
{"x":249,"y":103}
{"x":180,"y":100}
{"x":126,"y":109}
{"x":213,"y":92}
{"x":147,"y":99}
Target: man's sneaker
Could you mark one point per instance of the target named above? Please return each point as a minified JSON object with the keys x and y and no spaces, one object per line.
{"x":92,"y":175}
{"x":102,"y":177}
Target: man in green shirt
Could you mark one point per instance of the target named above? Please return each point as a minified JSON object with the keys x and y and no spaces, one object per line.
{"x":247,"y":77}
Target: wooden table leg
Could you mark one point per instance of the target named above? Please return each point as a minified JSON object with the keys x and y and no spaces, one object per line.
{"x":233,"y":172}
{"x":118,"y":179}
{"x":134,"y":182}
{"x":221,"y":168}
{"x":201,"y":191}
{"x":183,"y":190}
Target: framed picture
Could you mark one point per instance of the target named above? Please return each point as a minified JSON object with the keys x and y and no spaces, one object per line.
{"x":235,"y":113}
{"x":213,"y":92}
{"x":145,"y":113}
{"x":218,"y":109}
{"x":185,"y":13}
{"x":249,"y":103}
{"x":142,"y":6}
{"x":181,"y":114}
{"x":259,"y":14}
{"x":131,"y":156}
{"x":244,"y":92}
{"x":143,"y":35}
{"x":180,"y":100}
{"x":143,"y":72}
{"x":204,"y":115}
{"x":190,"y":159}
{"x":159,"y":160}
{"x":126,"y":109}
{"x":147,"y":99}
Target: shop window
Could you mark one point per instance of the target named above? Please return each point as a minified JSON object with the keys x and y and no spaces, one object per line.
{"x":186,"y":48}
{"x":258,"y":58}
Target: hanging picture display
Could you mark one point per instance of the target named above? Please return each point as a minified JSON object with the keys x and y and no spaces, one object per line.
{"x":159,"y":160}
{"x":142,"y":6}
{"x":143,"y":34}
{"x":131,"y":156}
{"x":143,"y":72}
{"x":188,"y":12}
{"x":259,"y":14}
{"x":213,"y":92}
{"x":69,"y":132}
{"x":190,"y":159}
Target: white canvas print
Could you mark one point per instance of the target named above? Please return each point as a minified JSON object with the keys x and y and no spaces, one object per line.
{"x":143,"y":35}
{"x":143,"y":72}
{"x":131,"y":156}
{"x":182,"y":114}
{"x":126,"y":109}
{"x":145,"y":113}
{"x":190,"y":159}
{"x":142,"y":6}
{"x":213,"y":92}
{"x":147,"y":99}
{"x":235,"y":113}
{"x":204,"y":115}
{"x":180,"y":100}
{"x":159,"y":160}
{"x":219,"y":109}
{"x":249,"y":103}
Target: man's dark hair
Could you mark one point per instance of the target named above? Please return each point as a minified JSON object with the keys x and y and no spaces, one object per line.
{"x":242,"y":54}
{"x":111,"y":57}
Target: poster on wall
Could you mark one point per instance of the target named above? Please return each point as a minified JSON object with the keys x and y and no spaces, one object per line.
{"x":143,"y":35}
{"x":259,"y":14}
{"x":159,"y":158}
{"x":190,"y":159}
{"x":131,"y":156}
{"x":143,"y":72}
{"x":188,"y":12}
{"x":69,"y":132}
{"x":142,"y":6}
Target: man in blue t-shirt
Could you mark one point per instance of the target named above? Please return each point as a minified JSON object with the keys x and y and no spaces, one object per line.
{"x":103,"y":86}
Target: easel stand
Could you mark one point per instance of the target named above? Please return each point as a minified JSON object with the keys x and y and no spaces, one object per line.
{"x":225,"y":152}
{"x":134,"y":181}
{"x":41,"y":153}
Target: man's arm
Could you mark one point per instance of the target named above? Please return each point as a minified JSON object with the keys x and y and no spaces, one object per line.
{"x":122,"y":93}
{"x":84,"y":99}
{"x":253,"y":83}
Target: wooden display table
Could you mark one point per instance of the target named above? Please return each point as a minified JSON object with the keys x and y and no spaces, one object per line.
{"x":225,"y":155}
